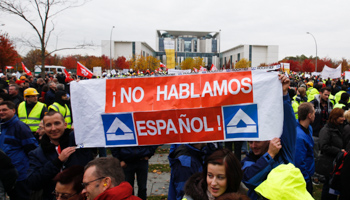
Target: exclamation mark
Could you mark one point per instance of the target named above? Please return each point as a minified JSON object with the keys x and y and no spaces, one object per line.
{"x":113,"y":104}
{"x":219,"y":122}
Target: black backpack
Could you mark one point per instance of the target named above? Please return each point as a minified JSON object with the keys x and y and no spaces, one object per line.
{"x":334,"y":181}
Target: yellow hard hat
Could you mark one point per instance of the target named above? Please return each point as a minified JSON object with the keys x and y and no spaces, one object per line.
{"x":310,"y":84}
{"x":22,"y":78}
{"x":30,"y":92}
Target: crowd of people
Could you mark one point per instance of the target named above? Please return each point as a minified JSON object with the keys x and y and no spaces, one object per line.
{"x":39,"y":158}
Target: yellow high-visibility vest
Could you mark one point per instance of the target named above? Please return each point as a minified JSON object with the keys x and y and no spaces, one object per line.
{"x":33,"y":119}
{"x":64,"y":111}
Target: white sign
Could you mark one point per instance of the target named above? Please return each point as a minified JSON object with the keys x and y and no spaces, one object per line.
{"x":97,"y":71}
{"x":178,"y":71}
{"x":328,"y":72}
{"x":347,"y":75}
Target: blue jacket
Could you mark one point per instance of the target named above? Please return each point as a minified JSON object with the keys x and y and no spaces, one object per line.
{"x":133,"y":154}
{"x":184,"y":162}
{"x":304,"y":153}
{"x":256,"y":168}
{"x":44,"y":163}
{"x":17,"y":140}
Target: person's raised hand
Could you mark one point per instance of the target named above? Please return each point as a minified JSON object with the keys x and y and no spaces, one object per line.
{"x":66,"y":153}
{"x":274,"y":147}
{"x":285,"y":83}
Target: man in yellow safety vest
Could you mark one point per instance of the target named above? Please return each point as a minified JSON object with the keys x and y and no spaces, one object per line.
{"x":60,"y":105}
{"x":30,"y":111}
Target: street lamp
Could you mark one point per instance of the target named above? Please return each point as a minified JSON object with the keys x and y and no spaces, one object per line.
{"x":219,"y":48}
{"x":110,"y":49}
{"x":316,"y":48}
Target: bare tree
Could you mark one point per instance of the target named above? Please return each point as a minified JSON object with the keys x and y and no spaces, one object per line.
{"x":38,"y":13}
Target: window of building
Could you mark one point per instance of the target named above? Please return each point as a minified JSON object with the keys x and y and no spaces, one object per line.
{"x":161,"y":44}
{"x":214,"y":46}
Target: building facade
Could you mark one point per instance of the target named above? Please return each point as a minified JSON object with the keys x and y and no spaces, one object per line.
{"x":256,"y":54}
{"x":204,"y":44}
{"x":126,"y":48}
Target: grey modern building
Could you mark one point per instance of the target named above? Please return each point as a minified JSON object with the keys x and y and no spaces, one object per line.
{"x":204,"y":44}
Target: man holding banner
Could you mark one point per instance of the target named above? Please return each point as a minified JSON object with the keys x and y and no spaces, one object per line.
{"x":266,"y":155}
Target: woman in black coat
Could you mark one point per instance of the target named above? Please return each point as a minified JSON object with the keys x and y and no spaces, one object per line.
{"x":331,"y":143}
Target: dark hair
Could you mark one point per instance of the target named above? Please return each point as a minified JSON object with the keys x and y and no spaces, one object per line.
{"x":5,"y":96}
{"x":53,"y":112}
{"x":108,"y":167}
{"x":14,"y":85}
{"x":304,"y":110}
{"x":45,"y":88}
{"x":335,"y":114}
{"x":73,"y":174}
{"x":233,"y":169}
{"x":345,"y":96}
{"x":9,"y":104}
{"x":324,"y":89}
{"x":233,"y":196}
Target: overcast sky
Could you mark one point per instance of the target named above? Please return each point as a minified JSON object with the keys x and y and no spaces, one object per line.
{"x":256,"y":22}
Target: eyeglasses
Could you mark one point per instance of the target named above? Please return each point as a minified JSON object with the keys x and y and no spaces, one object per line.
{"x":87,"y":183}
{"x":64,"y":196}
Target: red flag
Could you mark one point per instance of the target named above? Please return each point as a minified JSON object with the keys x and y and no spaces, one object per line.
{"x":83,"y":71}
{"x":162,"y":65}
{"x":160,"y":69}
{"x":26,"y":70}
{"x":9,"y":67}
{"x":66,"y":73}
{"x":195,"y":69}
{"x":202,"y":69}
{"x":213,"y":68}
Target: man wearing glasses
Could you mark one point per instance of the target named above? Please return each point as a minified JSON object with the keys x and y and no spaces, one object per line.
{"x":104,"y":179}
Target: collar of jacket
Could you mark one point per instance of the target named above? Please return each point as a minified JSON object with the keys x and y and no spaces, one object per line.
{"x":10,"y":122}
{"x":48,"y":147}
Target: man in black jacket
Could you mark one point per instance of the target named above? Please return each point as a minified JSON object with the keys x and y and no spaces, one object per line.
{"x":134,"y":160}
{"x":57,"y":151}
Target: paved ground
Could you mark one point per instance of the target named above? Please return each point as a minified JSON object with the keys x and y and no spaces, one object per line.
{"x":157,"y":184}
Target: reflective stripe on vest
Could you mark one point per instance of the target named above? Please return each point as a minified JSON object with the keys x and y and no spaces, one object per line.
{"x":64,"y":111}
{"x":33,"y":119}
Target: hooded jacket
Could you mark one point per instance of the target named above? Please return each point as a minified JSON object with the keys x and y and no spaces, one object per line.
{"x":185,"y":161}
{"x":121,"y":192}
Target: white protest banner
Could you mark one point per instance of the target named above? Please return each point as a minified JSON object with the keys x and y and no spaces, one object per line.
{"x":178,"y":71}
{"x":97,"y":71}
{"x":328,"y":72}
{"x":230,"y":106}
{"x":315,"y":73}
{"x":347,"y":75}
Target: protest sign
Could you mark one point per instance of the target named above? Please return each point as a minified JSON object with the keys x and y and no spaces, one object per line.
{"x":195,"y":108}
{"x":328,"y":72}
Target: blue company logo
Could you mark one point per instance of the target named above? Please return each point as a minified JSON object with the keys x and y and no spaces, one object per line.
{"x":119,"y":129}
{"x":241,"y":121}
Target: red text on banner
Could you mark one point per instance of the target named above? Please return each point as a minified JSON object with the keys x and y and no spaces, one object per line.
{"x":174,"y":126}
{"x":178,"y":92}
